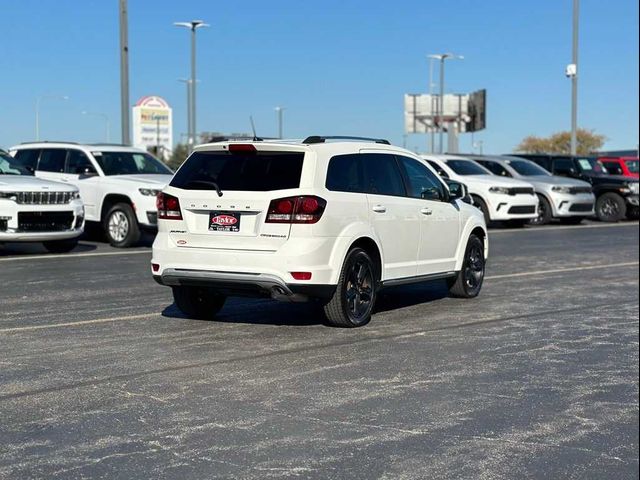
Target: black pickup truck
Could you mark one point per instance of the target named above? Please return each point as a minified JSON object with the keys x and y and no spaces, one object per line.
{"x":616,"y":196}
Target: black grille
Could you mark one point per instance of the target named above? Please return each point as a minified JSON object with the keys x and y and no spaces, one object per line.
{"x":521,"y":191}
{"x":578,"y":190}
{"x":523,"y":209}
{"x":44,"y":198}
{"x":44,"y":221}
{"x":581,"y":207}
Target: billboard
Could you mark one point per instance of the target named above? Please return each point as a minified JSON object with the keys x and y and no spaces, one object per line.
{"x":153,"y":125}
{"x":466,"y":111}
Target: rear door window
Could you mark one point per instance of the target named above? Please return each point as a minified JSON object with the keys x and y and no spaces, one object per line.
{"x":52,"y":160}
{"x":252,"y":172}
{"x":382,"y":174}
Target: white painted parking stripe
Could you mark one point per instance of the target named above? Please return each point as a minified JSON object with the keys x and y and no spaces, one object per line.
{"x":75,"y":255}
{"x":562,"y":270}
{"x":562,"y":227}
{"x":83,"y":322}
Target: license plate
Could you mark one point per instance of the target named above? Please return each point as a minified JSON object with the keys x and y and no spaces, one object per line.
{"x":224,"y":221}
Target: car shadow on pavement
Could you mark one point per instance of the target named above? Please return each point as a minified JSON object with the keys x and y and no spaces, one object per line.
{"x":36,"y":248}
{"x":271,"y":312}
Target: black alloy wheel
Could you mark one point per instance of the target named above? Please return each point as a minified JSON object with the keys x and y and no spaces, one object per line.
{"x":468,"y":282}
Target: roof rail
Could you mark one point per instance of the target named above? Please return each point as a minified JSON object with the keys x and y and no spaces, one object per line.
{"x":322,"y":139}
{"x":49,"y":141}
{"x":107,"y":144}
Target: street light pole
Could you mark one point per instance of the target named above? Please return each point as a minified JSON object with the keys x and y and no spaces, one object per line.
{"x":432,"y":135}
{"x":124,"y":74}
{"x":106,"y":122}
{"x":193,"y":26}
{"x":442,"y":57}
{"x":574,"y":80}
{"x":187,"y":82}
{"x":279,"y":111}
{"x":38,"y":101}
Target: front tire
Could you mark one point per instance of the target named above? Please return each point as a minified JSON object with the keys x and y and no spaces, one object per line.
{"x":610,"y":207}
{"x":199,"y":303}
{"x":60,"y":246}
{"x":544,"y":212}
{"x":121,"y":226}
{"x":355,"y":295}
{"x":468,"y":282}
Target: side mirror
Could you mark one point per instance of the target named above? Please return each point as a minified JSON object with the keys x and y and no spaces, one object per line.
{"x":87,"y":172}
{"x":457,"y":190}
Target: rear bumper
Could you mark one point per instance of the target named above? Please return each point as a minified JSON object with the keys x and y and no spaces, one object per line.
{"x":244,"y":284}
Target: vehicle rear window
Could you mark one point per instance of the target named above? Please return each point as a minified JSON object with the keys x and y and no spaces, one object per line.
{"x":254,"y":172}
{"x":345,"y":174}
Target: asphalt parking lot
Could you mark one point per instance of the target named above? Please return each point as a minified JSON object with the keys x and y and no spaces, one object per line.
{"x":100,"y":376}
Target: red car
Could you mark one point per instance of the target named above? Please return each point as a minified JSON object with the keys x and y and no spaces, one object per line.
{"x":625,"y":166}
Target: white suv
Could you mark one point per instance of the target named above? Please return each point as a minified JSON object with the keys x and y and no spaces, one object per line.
{"x":117,"y":184}
{"x":499,"y":199}
{"x":329,"y":218}
{"x":35,"y":210}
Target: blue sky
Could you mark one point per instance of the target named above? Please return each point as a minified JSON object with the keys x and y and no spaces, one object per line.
{"x":337,"y":67}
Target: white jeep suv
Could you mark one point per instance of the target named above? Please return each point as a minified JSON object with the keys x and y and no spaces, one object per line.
{"x":35,"y":210}
{"x":329,"y":218}
{"x":499,"y":199}
{"x":117,"y":184}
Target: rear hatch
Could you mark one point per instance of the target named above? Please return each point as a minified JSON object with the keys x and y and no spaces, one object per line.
{"x":225,"y":196}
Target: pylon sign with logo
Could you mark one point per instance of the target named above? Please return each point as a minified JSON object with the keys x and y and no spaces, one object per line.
{"x":153,"y":126}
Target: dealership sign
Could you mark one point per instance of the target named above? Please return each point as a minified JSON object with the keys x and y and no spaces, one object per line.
{"x":152,"y":124}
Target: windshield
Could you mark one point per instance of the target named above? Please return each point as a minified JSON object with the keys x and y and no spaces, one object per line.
{"x":467,"y":167}
{"x":128,"y":163}
{"x":632,"y":165}
{"x":9,"y":166}
{"x":590,"y":165}
{"x":527,"y":169}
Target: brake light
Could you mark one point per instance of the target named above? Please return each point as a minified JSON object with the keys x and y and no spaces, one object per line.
{"x":305,"y":209}
{"x":242,"y":148}
{"x":301,"y":275}
{"x":168,"y":207}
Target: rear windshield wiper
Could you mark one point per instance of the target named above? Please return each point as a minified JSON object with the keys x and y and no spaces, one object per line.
{"x":205,"y":183}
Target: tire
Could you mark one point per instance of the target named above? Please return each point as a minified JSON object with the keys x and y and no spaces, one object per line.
{"x":545,"y":212}
{"x":121,"y":226}
{"x":468,"y":282}
{"x":199,"y":303}
{"x":61,"y":246}
{"x":482,"y":206}
{"x":355,"y":295}
{"x":610,"y":207}
{"x":572,"y":220}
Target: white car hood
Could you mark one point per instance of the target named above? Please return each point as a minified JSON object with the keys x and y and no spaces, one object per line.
{"x":157,"y":181}
{"x":493,"y":181}
{"x":27,"y":183}
{"x":556,"y":180}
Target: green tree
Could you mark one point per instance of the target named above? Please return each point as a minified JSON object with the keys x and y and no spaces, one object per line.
{"x":178,"y":156}
{"x":588,"y":142}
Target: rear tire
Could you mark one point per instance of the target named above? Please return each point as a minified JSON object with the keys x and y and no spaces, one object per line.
{"x":468,"y":282}
{"x":482,"y":206}
{"x":121,"y":226}
{"x":60,"y":246}
{"x":544,"y":212}
{"x":199,"y":303}
{"x":610,"y":207}
{"x":355,"y":295}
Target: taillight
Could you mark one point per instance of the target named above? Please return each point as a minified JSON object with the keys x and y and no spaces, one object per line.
{"x":306,"y":209}
{"x":242,"y":148}
{"x":168,"y":207}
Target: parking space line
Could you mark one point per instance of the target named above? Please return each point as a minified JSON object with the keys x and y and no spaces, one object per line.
{"x":562,"y":227}
{"x":82,"y":322}
{"x":562,"y":270}
{"x":74,"y":255}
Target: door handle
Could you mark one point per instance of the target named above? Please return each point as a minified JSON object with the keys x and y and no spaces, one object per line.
{"x":426,"y":211}
{"x":379,"y":209}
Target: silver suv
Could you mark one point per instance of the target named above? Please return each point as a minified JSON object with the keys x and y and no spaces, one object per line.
{"x":566,"y":199}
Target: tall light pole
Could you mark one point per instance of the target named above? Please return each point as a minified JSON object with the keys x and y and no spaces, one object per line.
{"x":432,"y":134}
{"x":187,"y":82}
{"x":442,"y":57}
{"x":124,"y":74}
{"x":572,"y":72}
{"x":38,"y":101}
{"x":107,"y":124}
{"x":193,"y":25}
{"x":279,"y":112}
